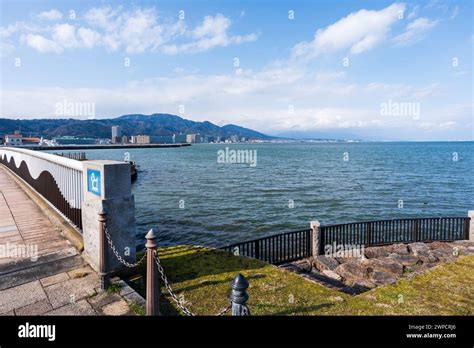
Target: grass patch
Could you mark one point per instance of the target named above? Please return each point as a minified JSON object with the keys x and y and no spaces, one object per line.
{"x":202,"y":277}
{"x":137,"y":309}
{"x":114,"y":288}
{"x":447,"y":289}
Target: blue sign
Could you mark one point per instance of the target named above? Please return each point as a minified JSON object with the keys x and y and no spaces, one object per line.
{"x":93,"y":181}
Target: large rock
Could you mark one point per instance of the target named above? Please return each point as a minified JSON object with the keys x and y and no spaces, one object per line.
{"x":385,"y":265}
{"x":351,"y":271}
{"x":418,"y":248}
{"x":375,"y":252}
{"x":383,"y":278}
{"x":399,"y":248}
{"x":323,"y":263}
{"x":305,"y":265}
{"x":465,"y":243}
{"x":430,"y":258}
{"x":440,"y":245}
{"x":331,"y":274}
{"x":404,"y":260}
{"x":444,"y":255}
{"x":363,"y":285}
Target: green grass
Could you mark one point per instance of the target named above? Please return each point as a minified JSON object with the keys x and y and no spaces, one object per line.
{"x":113,"y":288}
{"x":202,"y":278}
{"x":137,"y":309}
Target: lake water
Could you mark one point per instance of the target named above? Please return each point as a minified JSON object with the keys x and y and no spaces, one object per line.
{"x":186,"y":196}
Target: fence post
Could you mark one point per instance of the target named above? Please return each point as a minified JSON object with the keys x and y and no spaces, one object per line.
{"x":103,"y":258}
{"x":316,"y":237}
{"x":415,"y":234}
{"x":257,"y":249}
{"x":239,"y":296}
{"x":152,"y":283}
{"x":470,"y":235}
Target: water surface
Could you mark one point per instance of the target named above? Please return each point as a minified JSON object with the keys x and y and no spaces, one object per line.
{"x":186,"y":196}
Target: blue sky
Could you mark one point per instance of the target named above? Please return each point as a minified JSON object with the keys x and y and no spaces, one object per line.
{"x":371,"y":69}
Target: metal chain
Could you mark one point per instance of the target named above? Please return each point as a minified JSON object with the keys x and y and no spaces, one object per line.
{"x":162,"y":274}
{"x":224,"y":311}
{"x":175,"y":298}
{"x":168,"y":287}
{"x":116,"y":253}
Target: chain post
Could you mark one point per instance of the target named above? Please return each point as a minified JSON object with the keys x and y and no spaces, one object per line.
{"x":239,"y":296}
{"x":152,"y":281}
{"x":104,"y":276}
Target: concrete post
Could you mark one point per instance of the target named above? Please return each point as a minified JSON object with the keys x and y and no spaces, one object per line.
{"x":316,"y":236}
{"x":470,"y":214}
{"x":107,"y":187}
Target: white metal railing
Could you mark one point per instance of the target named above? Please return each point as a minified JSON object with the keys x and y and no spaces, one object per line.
{"x":66,"y":173}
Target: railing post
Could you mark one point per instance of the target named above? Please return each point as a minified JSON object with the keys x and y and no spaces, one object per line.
{"x":152,"y":283}
{"x":470,"y":229}
{"x":415,"y":234}
{"x":103,"y":259}
{"x":316,"y":237}
{"x":239,"y":296}
{"x":257,"y":249}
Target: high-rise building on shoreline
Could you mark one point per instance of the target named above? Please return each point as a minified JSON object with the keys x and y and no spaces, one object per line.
{"x":116,"y":134}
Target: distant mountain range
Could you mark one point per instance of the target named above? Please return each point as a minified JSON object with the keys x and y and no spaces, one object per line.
{"x":156,"y":124}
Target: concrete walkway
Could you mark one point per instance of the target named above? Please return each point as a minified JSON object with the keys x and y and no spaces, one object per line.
{"x":23,"y":224}
{"x":69,"y":293}
{"x":41,"y":273}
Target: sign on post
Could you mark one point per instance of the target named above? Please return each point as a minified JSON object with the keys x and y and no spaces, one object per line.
{"x":93,"y":181}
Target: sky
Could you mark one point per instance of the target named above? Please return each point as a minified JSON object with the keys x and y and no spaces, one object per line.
{"x":377,"y":70}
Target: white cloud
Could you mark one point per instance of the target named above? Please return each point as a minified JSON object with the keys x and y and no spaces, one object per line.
{"x":359,"y":31}
{"x":415,"y":31}
{"x":104,"y":18}
{"x":65,"y":35}
{"x":259,"y":100}
{"x":133,"y":31}
{"x":88,"y":37}
{"x":51,"y":15}
{"x":42,"y":44}
{"x":212,"y":32}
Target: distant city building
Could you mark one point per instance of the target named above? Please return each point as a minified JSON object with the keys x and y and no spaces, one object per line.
{"x":162,"y":139}
{"x":31,"y":141}
{"x":140,"y":139}
{"x":116,"y":134}
{"x":193,"y":138}
{"x":123,"y":139}
{"x":69,"y":140}
{"x":179,"y":138}
{"x":13,"y":139}
{"x":234,"y":138}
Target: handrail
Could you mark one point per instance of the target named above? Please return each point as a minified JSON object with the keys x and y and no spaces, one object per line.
{"x":59,"y":180}
{"x":398,"y":219}
{"x":64,"y":161}
{"x":369,"y":233}
{"x":264,"y":237}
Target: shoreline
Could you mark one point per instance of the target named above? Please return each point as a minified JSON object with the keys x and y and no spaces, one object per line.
{"x":102,"y":147}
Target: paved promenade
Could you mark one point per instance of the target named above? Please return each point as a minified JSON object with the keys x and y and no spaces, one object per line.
{"x":22,"y":223}
{"x":41,"y":273}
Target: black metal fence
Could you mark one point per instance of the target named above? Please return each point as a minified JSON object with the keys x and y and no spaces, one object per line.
{"x":291,"y":246}
{"x":276,"y":249}
{"x":384,"y":232}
